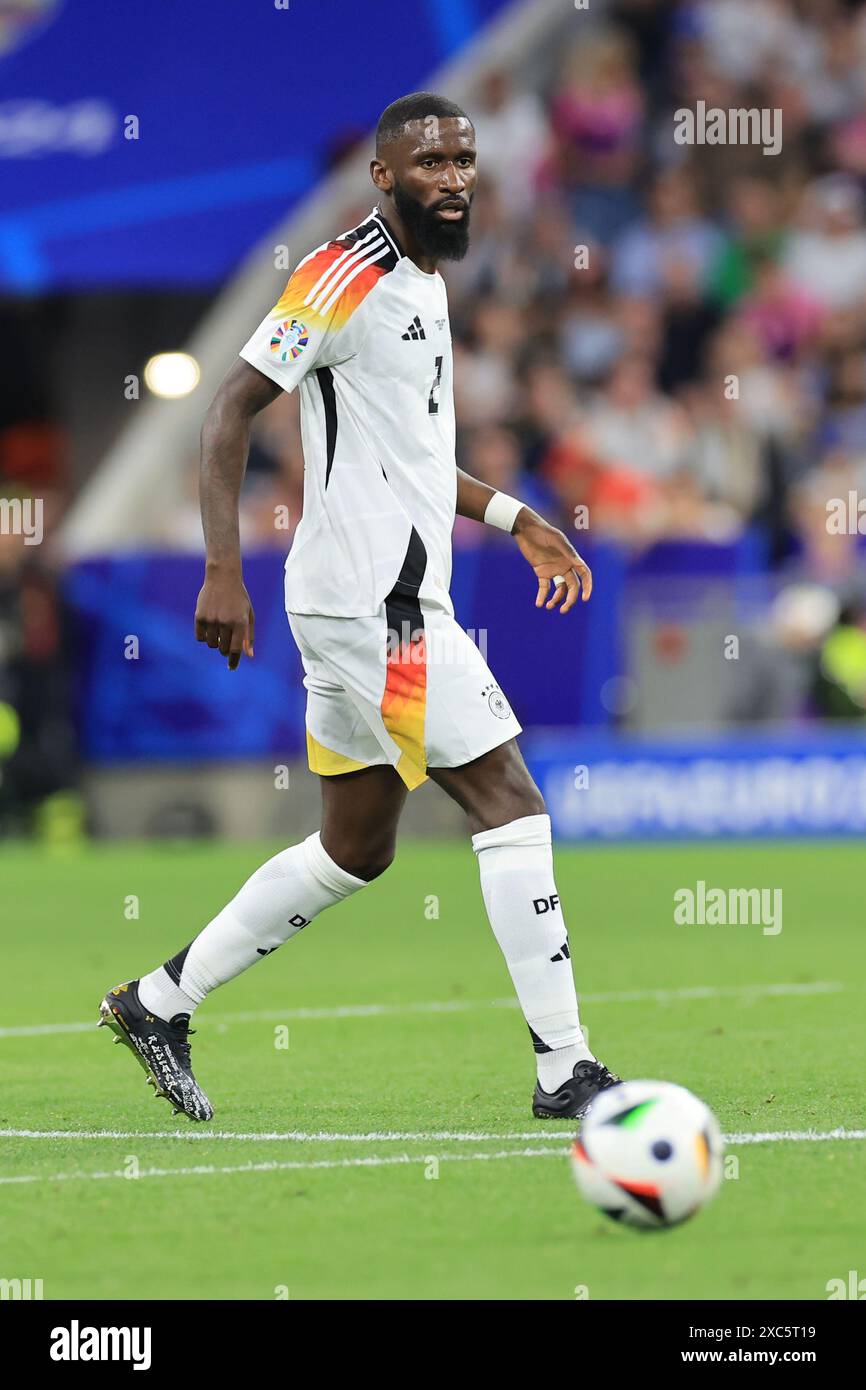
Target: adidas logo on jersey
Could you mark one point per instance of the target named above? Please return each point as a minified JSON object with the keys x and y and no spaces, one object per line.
{"x":415,"y":330}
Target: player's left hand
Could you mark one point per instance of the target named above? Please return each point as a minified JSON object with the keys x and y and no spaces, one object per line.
{"x":554,"y":560}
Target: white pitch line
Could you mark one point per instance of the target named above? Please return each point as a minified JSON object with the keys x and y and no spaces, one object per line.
{"x":664,"y":996}
{"x":378,"y":1161}
{"x":207,"y":1170}
{"x":290,"y":1136}
{"x":451,"y":1006}
{"x":781,"y":1136}
{"x":794,"y":1136}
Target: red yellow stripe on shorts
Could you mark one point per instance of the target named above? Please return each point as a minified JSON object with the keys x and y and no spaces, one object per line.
{"x":404,"y":702}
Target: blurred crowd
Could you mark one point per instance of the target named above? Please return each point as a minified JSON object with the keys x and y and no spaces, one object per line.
{"x":703,"y":369}
{"x":656,"y":340}
{"x":38,"y":754}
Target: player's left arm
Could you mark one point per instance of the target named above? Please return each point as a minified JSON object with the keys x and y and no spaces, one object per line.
{"x":549,"y":552}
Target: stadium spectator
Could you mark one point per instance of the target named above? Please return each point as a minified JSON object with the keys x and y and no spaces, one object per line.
{"x":827,"y":254}
{"x":673,"y":230}
{"x":513,"y":128}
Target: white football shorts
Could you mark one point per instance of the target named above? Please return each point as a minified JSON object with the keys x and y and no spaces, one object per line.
{"x":406,"y":686}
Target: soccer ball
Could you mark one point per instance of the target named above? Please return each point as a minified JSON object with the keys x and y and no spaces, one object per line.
{"x":649,"y":1154}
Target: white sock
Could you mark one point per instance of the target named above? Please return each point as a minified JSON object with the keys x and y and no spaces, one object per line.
{"x":516,"y":865}
{"x":280,"y":899}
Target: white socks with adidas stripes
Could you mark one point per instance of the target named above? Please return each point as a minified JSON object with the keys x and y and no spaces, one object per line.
{"x":286,"y":893}
{"x":516,"y":865}
{"x":277,"y":902}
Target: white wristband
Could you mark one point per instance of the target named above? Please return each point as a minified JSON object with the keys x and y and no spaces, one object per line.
{"x":502,"y":511}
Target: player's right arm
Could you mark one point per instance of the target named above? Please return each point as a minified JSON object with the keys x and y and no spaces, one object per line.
{"x":312,"y":324}
{"x":224,"y":615}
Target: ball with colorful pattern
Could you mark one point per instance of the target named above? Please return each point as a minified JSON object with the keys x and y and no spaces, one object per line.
{"x":649,"y":1154}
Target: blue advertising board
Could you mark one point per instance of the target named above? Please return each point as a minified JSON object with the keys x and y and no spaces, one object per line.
{"x":164,"y":696}
{"x":763,"y":784}
{"x":156,"y":143}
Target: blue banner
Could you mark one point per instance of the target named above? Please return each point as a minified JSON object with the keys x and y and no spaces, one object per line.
{"x":156,"y":143}
{"x":811,"y":781}
{"x":147,"y":690}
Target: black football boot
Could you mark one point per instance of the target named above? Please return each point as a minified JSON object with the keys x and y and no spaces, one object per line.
{"x":162,"y":1048}
{"x":574,"y":1097}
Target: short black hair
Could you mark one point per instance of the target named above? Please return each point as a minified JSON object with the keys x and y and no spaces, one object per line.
{"x":417,"y":106}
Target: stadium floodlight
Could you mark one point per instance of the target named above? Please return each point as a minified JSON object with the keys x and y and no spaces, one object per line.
{"x":172,"y":374}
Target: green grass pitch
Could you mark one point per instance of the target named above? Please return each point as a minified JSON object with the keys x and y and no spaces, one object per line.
{"x":399,"y":1025}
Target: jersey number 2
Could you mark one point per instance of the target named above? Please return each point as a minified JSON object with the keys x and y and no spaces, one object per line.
{"x":433,"y":402}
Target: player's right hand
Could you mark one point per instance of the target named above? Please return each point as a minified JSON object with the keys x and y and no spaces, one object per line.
{"x":224,"y":617}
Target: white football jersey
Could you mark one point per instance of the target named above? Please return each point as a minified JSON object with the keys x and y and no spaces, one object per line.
{"x":365,"y":335}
